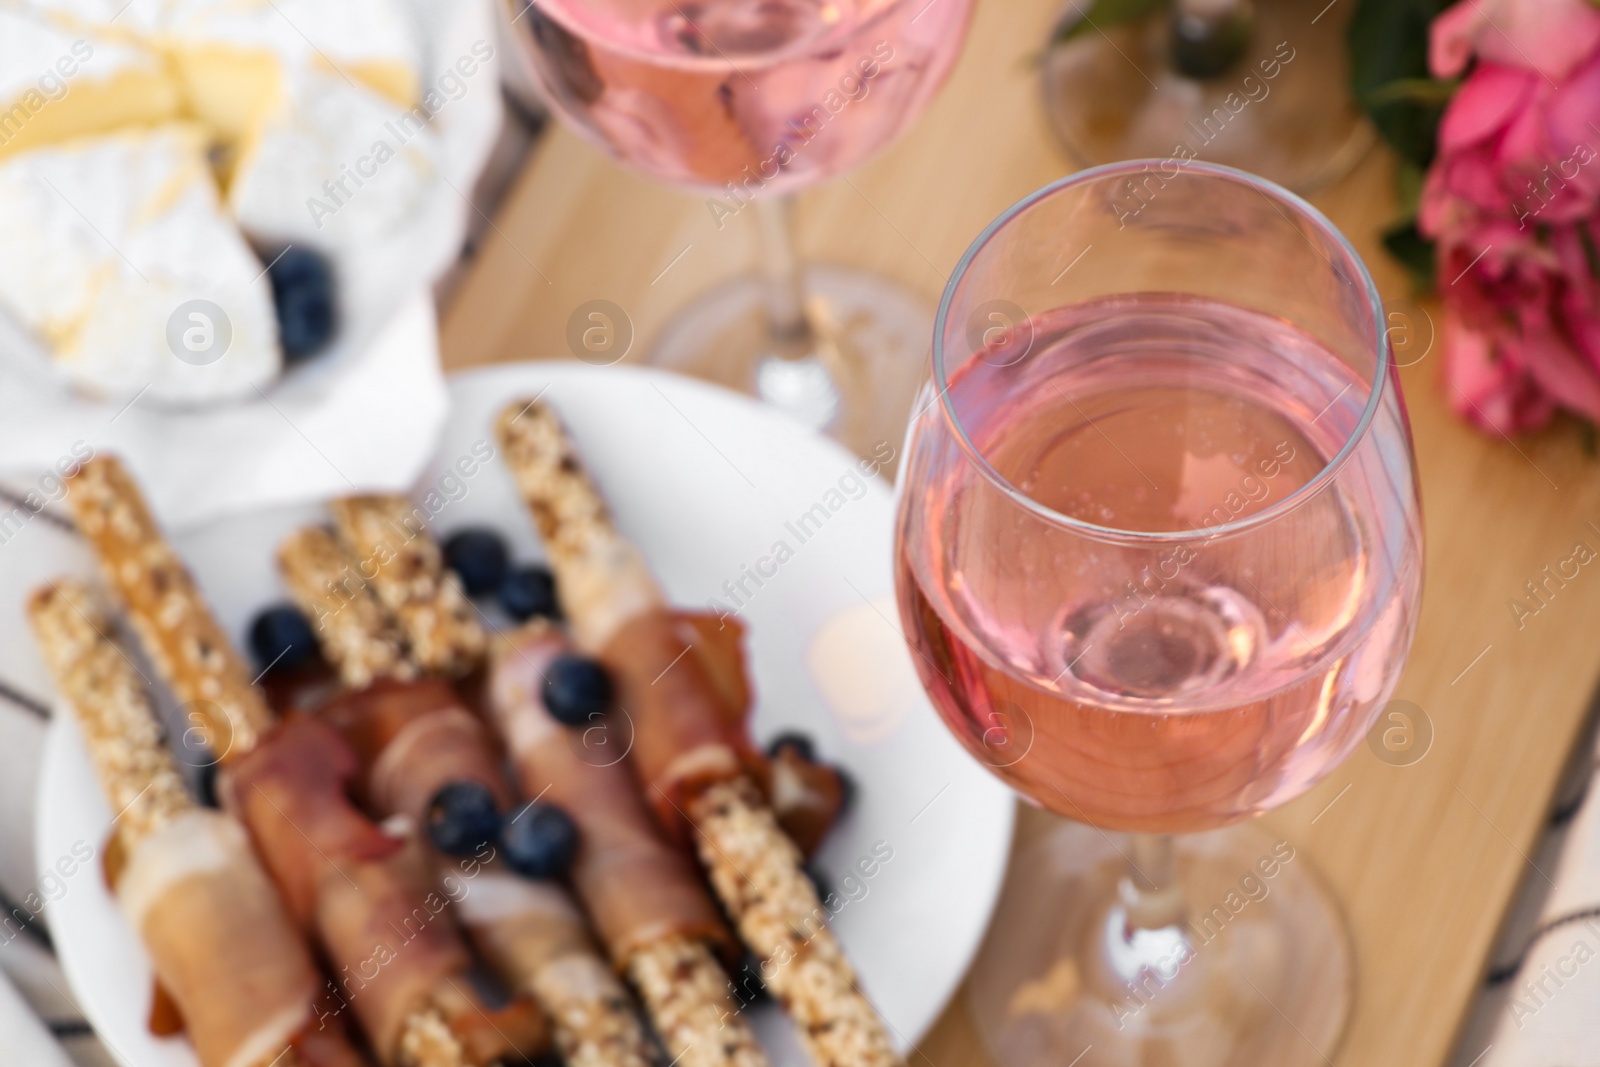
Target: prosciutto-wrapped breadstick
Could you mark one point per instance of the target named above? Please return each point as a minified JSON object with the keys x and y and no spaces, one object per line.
{"x":389,"y":541}
{"x":369,"y":897}
{"x":415,"y":739}
{"x":643,"y":893}
{"x":686,"y":756}
{"x":661,"y":938}
{"x":222,"y":945}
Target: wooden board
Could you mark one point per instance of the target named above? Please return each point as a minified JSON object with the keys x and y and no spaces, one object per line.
{"x":1424,"y":857}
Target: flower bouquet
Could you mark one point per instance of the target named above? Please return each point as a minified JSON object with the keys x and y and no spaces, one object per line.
{"x":1494,"y":109}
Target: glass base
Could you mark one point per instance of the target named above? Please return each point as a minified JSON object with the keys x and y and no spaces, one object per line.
{"x":853,"y":378}
{"x":1259,"y":971}
{"x":1115,"y":95}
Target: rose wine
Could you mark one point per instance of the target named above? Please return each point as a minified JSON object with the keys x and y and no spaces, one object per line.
{"x":743,"y":96}
{"x":1169,"y":685}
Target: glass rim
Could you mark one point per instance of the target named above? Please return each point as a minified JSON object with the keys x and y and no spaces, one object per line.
{"x":1380,"y":373}
{"x":721,"y":63}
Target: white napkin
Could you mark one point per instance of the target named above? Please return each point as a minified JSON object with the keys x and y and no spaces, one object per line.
{"x":369,"y":423}
{"x":1540,"y":1005}
{"x":363,"y":415}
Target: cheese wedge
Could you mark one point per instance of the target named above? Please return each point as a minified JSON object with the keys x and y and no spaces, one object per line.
{"x":104,"y":242}
{"x":56,"y":84}
{"x":336,"y":166}
{"x":224,"y":49}
{"x":230,"y":58}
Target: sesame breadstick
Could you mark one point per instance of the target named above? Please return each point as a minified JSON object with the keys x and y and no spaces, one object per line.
{"x":219,"y":939}
{"x":415,"y":1014}
{"x":388,"y":539}
{"x":752,"y":865}
{"x":114,"y":712}
{"x":644,"y":894}
{"x":687,"y":991}
{"x":175,"y":628}
{"x":356,"y":634}
{"x":684,"y":753}
{"x":532,"y":934}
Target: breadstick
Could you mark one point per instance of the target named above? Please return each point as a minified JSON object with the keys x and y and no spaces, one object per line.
{"x":416,"y":1020}
{"x":355,"y":633}
{"x":418,"y":739}
{"x":684,"y":752}
{"x":219,"y":939}
{"x":114,"y":712}
{"x":687,"y":991}
{"x":753,"y":867}
{"x":175,"y":628}
{"x":392,"y":549}
{"x":645,"y":896}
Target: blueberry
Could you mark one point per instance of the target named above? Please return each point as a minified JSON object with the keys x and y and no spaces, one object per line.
{"x":576,"y":689}
{"x":282,"y":639}
{"x":541,"y":842}
{"x":479,"y":556}
{"x":804,"y":747}
{"x":529,"y":591}
{"x":462,"y":818}
{"x":303,"y":292}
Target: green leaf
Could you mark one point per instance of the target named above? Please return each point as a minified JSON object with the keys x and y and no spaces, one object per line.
{"x":1099,"y":14}
{"x":1408,"y":179}
{"x":1405,"y":243}
{"x":1388,"y":42}
{"x":1427,"y":92}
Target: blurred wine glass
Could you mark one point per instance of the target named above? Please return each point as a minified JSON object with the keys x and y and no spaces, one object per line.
{"x":1262,"y":85}
{"x":745,"y":102}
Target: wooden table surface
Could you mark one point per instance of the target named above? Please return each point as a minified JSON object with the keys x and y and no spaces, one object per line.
{"x":1423,"y":857}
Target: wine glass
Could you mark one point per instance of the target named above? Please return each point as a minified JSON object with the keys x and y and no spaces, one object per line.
{"x":1159,"y":559}
{"x":1257,"y":84}
{"x":745,"y":102}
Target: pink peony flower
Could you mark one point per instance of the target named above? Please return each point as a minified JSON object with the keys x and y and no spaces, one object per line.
{"x":1511,"y":200}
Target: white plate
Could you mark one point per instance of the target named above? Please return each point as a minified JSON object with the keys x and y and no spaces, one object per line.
{"x":708,"y":483}
{"x":284,"y":447}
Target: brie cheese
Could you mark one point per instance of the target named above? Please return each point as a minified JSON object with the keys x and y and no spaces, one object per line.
{"x":103,"y":243}
{"x":56,"y":84}
{"x":230,"y":49}
{"x":336,"y":165}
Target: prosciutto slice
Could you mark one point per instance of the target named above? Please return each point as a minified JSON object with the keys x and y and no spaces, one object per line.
{"x":195,"y":885}
{"x":686,"y":735}
{"x":369,"y":896}
{"x":413,"y":739}
{"x":639,"y":889}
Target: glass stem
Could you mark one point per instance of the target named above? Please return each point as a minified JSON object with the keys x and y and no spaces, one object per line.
{"x":1151,"y":896}
{"x":783,"y":277}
